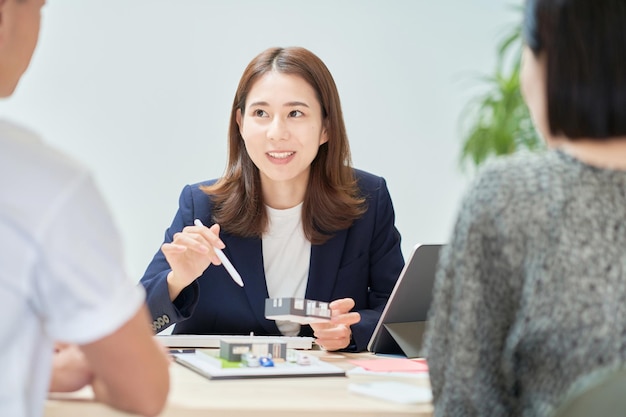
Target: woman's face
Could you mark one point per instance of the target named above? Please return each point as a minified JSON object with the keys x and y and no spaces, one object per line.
{"x":282,"y":128}
{"x":534,"y":90}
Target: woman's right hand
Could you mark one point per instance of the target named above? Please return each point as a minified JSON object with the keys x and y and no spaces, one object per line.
{"x":189,"y":254}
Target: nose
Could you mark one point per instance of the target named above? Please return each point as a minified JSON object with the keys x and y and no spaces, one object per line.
{"x":277,"y":130}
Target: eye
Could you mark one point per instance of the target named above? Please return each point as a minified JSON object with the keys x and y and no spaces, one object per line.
{"x":259,"y":113}
{"x":295,"y":113}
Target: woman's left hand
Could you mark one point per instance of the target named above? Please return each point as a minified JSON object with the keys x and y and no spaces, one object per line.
{"x":336,"y":333}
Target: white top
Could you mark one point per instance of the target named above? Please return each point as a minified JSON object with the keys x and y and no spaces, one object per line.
{"x":62,"y":276}
{"x":286,"y":257}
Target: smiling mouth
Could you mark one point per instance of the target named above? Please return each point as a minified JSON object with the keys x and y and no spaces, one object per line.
{"x":280,"y":155}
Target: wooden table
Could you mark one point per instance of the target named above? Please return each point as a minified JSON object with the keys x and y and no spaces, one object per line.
{"x":193,"y":395}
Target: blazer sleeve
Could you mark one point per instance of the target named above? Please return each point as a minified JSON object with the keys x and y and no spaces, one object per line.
{"x":386,"y":262}
{"x":165,"y":312}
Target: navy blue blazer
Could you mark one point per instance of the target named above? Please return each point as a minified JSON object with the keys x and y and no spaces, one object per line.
{"x":362,"y":262}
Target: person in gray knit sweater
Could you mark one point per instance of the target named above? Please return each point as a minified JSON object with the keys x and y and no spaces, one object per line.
{"x":530,"y":295}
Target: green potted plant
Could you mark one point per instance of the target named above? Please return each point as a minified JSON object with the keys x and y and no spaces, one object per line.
{"x":498,"y":122}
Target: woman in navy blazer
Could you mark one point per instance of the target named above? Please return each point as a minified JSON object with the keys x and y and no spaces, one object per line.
{"x":288,"y":153}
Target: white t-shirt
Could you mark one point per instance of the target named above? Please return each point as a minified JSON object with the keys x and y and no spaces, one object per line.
{"x":62,"y":275}
{"x":286,"y":258}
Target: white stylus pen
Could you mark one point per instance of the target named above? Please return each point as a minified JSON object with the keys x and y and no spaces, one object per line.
{"x":229,"y":267}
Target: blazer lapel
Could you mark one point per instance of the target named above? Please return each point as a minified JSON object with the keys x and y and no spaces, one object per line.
{"x":325,"y":262}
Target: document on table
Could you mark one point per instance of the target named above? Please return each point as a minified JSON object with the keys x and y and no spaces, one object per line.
{"x":213,"y":340}
{"x":393,"y":391}
{"x":410,"y":371}
{"x":212,"y":370}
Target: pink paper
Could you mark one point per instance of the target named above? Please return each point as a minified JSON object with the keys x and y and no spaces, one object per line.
{"x":392,"y":365}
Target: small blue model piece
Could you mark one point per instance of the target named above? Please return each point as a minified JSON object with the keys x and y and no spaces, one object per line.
{"x":266,"y":361}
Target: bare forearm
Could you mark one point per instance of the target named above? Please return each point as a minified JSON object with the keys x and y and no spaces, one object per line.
{"x":70,"y":370}
{"x":131,"y":369}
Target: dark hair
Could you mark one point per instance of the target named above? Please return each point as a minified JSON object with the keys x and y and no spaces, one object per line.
{"x":332,"y":201}
{"x":584,"y":43}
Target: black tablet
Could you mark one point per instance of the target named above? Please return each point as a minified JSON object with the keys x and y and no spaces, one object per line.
{"x":402,"y":323}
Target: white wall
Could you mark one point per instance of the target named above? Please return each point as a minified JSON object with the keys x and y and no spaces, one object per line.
{"x":140,"y":90}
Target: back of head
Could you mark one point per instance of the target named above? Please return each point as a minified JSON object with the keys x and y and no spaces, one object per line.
{"x":584,"y":43}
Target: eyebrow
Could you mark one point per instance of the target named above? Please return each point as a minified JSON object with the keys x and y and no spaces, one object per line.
{"x":288,"y":104}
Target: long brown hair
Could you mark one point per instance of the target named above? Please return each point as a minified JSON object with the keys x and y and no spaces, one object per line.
{"x":332,"y":200}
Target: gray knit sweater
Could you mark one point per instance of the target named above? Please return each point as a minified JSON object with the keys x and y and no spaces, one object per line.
{"x":531,"y":290}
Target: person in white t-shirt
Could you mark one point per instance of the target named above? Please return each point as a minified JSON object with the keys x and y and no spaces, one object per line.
{"x":72,"y":315}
